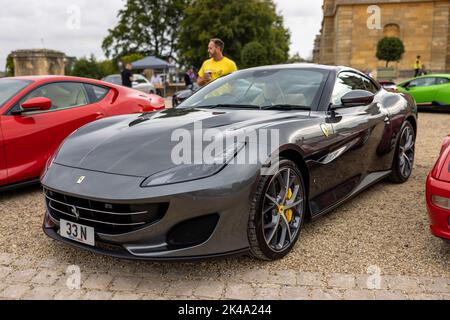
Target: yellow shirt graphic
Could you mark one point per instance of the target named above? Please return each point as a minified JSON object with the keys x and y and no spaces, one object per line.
{"x":217,"y":68}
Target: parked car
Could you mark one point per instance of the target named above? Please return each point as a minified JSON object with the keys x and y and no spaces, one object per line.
{"x":182,"y":95}
{"x":430,"y":91}
{"x":38,"y":113}
{"x":140,"y":82}
{"x":335,"y":133}
{"x":438,"y":194}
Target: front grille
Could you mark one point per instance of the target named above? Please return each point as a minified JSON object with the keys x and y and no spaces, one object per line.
{"x":104,"y":217}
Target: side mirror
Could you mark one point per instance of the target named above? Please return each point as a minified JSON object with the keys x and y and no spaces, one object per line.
{"x":356,"y":98}
{"x":37,"y":104}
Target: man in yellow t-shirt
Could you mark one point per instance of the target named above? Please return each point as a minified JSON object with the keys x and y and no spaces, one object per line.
{"x":216,"y":67}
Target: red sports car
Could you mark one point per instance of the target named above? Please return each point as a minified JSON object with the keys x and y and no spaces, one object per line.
{"x":438,"y":194}
{"x":38,"y":113}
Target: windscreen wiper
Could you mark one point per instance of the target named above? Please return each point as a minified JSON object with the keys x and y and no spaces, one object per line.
{"x":286,"y":107}
{"x":216,"y":106}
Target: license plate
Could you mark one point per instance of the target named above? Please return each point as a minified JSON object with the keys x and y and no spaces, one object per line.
{"x":77,"y":232}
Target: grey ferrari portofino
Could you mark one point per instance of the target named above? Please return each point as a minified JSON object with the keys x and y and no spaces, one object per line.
{"x":135,"y":186}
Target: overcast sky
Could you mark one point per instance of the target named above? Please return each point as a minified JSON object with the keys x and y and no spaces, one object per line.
{"x":54,"y":24}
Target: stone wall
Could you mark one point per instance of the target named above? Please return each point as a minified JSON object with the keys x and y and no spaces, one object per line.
{"x":423,"y":27}
{"x":38,"y":62}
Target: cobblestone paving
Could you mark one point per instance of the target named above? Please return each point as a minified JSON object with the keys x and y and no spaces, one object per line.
{"x":54,"y":280}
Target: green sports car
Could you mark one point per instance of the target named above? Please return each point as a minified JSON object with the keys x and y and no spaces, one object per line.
{"x":431,"y":91}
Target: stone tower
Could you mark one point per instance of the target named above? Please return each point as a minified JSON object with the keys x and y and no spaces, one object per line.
{"x":38,"y":62}
{"x":422,"y":25}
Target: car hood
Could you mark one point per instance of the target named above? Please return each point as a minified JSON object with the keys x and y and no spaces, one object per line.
{"x":141,"y":145}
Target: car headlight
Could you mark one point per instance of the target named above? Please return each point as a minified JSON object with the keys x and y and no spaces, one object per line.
{"x":441,"y":202}
{"x":190,"y":172}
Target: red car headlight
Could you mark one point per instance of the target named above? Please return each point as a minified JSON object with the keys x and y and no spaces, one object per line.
{"x":441,"y":202}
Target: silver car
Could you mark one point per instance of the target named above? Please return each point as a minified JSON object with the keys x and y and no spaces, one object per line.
{"x":140,"y":82}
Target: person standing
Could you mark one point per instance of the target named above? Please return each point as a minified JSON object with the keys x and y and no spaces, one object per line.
{"x":217,"y":66}
{"x":188,"y":78}
{"x":157,"y":83}
{"x":127,"y":76}
{"x":417,"y":67}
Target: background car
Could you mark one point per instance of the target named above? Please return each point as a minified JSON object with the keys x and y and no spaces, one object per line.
{"x":327,"y":133}
{"x":38,"y":113}
{"x":438,"y":194}
{"x":140,"y":82}
{"x":182,"y":95}
{"x":430,"y":92}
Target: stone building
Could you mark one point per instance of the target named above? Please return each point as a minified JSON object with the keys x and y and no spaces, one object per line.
{"x":422,"y":25}
{"x":38,"y":62}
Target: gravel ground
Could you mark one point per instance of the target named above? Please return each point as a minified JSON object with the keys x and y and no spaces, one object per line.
{"x":386,"y":226}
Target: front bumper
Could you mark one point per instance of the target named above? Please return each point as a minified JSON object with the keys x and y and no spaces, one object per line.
{"x":439,"y":217}
{"x":226,"y":195}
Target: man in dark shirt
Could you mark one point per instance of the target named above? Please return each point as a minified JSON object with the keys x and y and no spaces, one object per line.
{"x":127,"y":76}
{"x":188,"y":78}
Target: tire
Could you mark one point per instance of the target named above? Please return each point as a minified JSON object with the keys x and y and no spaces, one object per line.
{"x":261,"y":246}
{"x":404,"y":155}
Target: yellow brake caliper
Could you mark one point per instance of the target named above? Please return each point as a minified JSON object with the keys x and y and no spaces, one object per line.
{"x":289,"y":212}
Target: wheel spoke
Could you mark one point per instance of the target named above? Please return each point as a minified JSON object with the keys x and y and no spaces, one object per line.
{"x":287,"y":184}
{"x":408,"y":163}
{"x":273,"y":223}
{"x":293,"y":205}
{"x":296,"y":192}
{"x":288,"y":228}
{"x":282,"y":236}
{"x":275,"y":202}
{"x":270,"y":208}
{"x":274,"y":231}
{"x":409,"y":143}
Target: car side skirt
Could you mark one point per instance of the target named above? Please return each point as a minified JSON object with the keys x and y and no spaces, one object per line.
{"x":370,"y":180}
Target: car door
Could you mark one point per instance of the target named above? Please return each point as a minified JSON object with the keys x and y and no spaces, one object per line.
{"x":423,"y":90}
{"x":31,"y":138}
{"x":442,"y":96}
{"x":3,"y":166}
{"x":357,"y":132}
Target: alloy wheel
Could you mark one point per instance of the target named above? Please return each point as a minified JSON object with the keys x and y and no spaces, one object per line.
{"x":282,"y":209}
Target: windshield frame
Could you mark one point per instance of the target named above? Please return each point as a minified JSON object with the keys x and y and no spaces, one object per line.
{"x":26,"y":83}
{"x":239,"y":74}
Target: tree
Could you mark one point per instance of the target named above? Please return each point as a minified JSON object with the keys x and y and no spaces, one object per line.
{"x":131,"y":58}
{"x":91,"y":68}
{"x":297,"y":58}
{"x":10,"y":66}
{"x":390,"y":49}
{"x":253,"y":54}
{"x":238,"y":23}
{"x":148,"y":27}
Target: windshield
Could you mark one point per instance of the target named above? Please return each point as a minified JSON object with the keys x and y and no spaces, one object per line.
{"x":262,"y":88}
{"x":10,"y":87}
